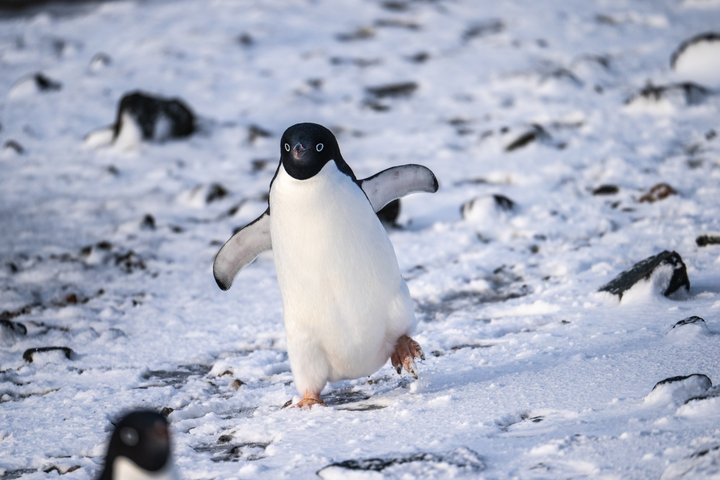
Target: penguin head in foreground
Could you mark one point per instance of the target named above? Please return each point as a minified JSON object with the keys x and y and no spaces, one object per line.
{"x":139,"y":447}
{"x":305,"y":148}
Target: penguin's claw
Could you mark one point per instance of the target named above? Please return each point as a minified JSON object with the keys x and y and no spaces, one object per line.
{"x":404,"y":355}
{"x":309,"y":400}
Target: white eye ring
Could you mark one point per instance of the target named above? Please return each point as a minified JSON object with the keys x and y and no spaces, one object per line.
{"x":287,"y":147}
{"x":319,"y":147}
{"x":129,"y":436}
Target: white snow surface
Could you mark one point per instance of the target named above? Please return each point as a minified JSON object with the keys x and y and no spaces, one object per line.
{"x":529,"y":373}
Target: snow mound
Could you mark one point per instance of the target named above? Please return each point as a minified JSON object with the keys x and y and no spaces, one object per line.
{"x":698,"y":59}
{"x":702,"y":464}
{"x":689,"y":329}
{"x":702,"y":407}
{"x":677,"y":390}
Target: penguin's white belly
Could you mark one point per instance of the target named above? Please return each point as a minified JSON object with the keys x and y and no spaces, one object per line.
{"x":126,"y":469}
{"x":345,"y":302}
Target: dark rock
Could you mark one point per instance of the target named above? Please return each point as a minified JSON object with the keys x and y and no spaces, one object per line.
{"x":395,"y":6}
{"x":60,"y":470}
{"x":464,"y":459}
{"x":148,"y":222}
{"x":396,"y":23}
{"x":158,"y":118}
{"x":129,"y":261}
{"x":30,"y":353}
{"x":104,"y":245}
{"x":694,"y":320}
{"x":355,"y":61}
{"x":702,"y":37}
{"x":245,"y":39}
{"x":228,"y":452}
{"x":376,"y":106}
{"x":15,"y":328}
{"x":705,"y":240}
{"x":71,"y":299}
{"x":174,"y":378}
{"x":8,"y":314}
{"x":658,"y":192}
{"x":255,"y":132}
{"x":362,"y":33}
{"x":503,"y":202}
{"x":393,"y":90}
{"x":483,"y":29}
{"x":560,"y":73}
{"x":535,"y":133}
{"x":713,"y":392}
{"x":690,"y":93}
{"x":703,"y":380}
{"x":390,"y":213}
{"x":420,"y":57}
{"x":644,"y":269}
{"x":18,"y":473}
{"x":259,"y":164}
{"x":606,"y":190}
{"x":46,"y":84}
{"x":14,"y":146}
{"x":216,"y":192}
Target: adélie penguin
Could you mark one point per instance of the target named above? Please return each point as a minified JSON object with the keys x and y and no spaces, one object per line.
{"x":346,"y":306}
{"x":139,"y":449}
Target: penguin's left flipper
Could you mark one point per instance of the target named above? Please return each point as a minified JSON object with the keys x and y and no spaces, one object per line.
{"x":404,"y":355}
{"x":395,"y":182}
{"x":241,"y":249}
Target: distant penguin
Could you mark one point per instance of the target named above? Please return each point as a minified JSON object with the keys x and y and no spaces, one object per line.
{"x":145,"y":117}
{"x":346,"y":306}
{"x":139,"y":449}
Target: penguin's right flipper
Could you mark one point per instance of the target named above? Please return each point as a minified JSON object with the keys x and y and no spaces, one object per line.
{"x":395,"y":182}
{"x":241,"y":249}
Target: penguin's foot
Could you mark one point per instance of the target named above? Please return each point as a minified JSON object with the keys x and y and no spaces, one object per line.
{"x":404,"y":355}
{"x":309,"y":400}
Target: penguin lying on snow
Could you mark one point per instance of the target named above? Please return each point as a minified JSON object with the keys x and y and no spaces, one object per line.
{"x":139,"y":449}
{"x":346,"y":307}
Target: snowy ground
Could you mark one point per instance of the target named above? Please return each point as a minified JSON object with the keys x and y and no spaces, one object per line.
{"x":530,"y":372}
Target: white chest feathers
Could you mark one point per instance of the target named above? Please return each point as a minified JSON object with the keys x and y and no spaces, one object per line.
{"x":343,"y":296}
{"x":126,"y":469}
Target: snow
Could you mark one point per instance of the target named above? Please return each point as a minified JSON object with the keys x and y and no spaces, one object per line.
{"x":530,"y":372}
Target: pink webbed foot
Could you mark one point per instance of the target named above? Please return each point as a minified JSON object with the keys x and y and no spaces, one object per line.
{"x":404,"y":355}
{"x":308,"y":400}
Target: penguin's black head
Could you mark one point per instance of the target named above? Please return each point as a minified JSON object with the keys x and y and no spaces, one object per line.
{"x":141,"y":436}
{"x":305,"y":148}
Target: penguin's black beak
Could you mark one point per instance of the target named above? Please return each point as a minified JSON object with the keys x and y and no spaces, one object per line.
{"x":298,"y":151}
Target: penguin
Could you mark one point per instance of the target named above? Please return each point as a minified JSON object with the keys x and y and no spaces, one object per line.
{"x":139,"y":449}
{"x":346,"y":307}
{"x":145,"y":117}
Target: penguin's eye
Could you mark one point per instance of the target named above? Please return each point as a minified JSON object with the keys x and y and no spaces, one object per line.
{"x":287,"y":147}
{"x":129,"y":436}
{"x":319,"y":147}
